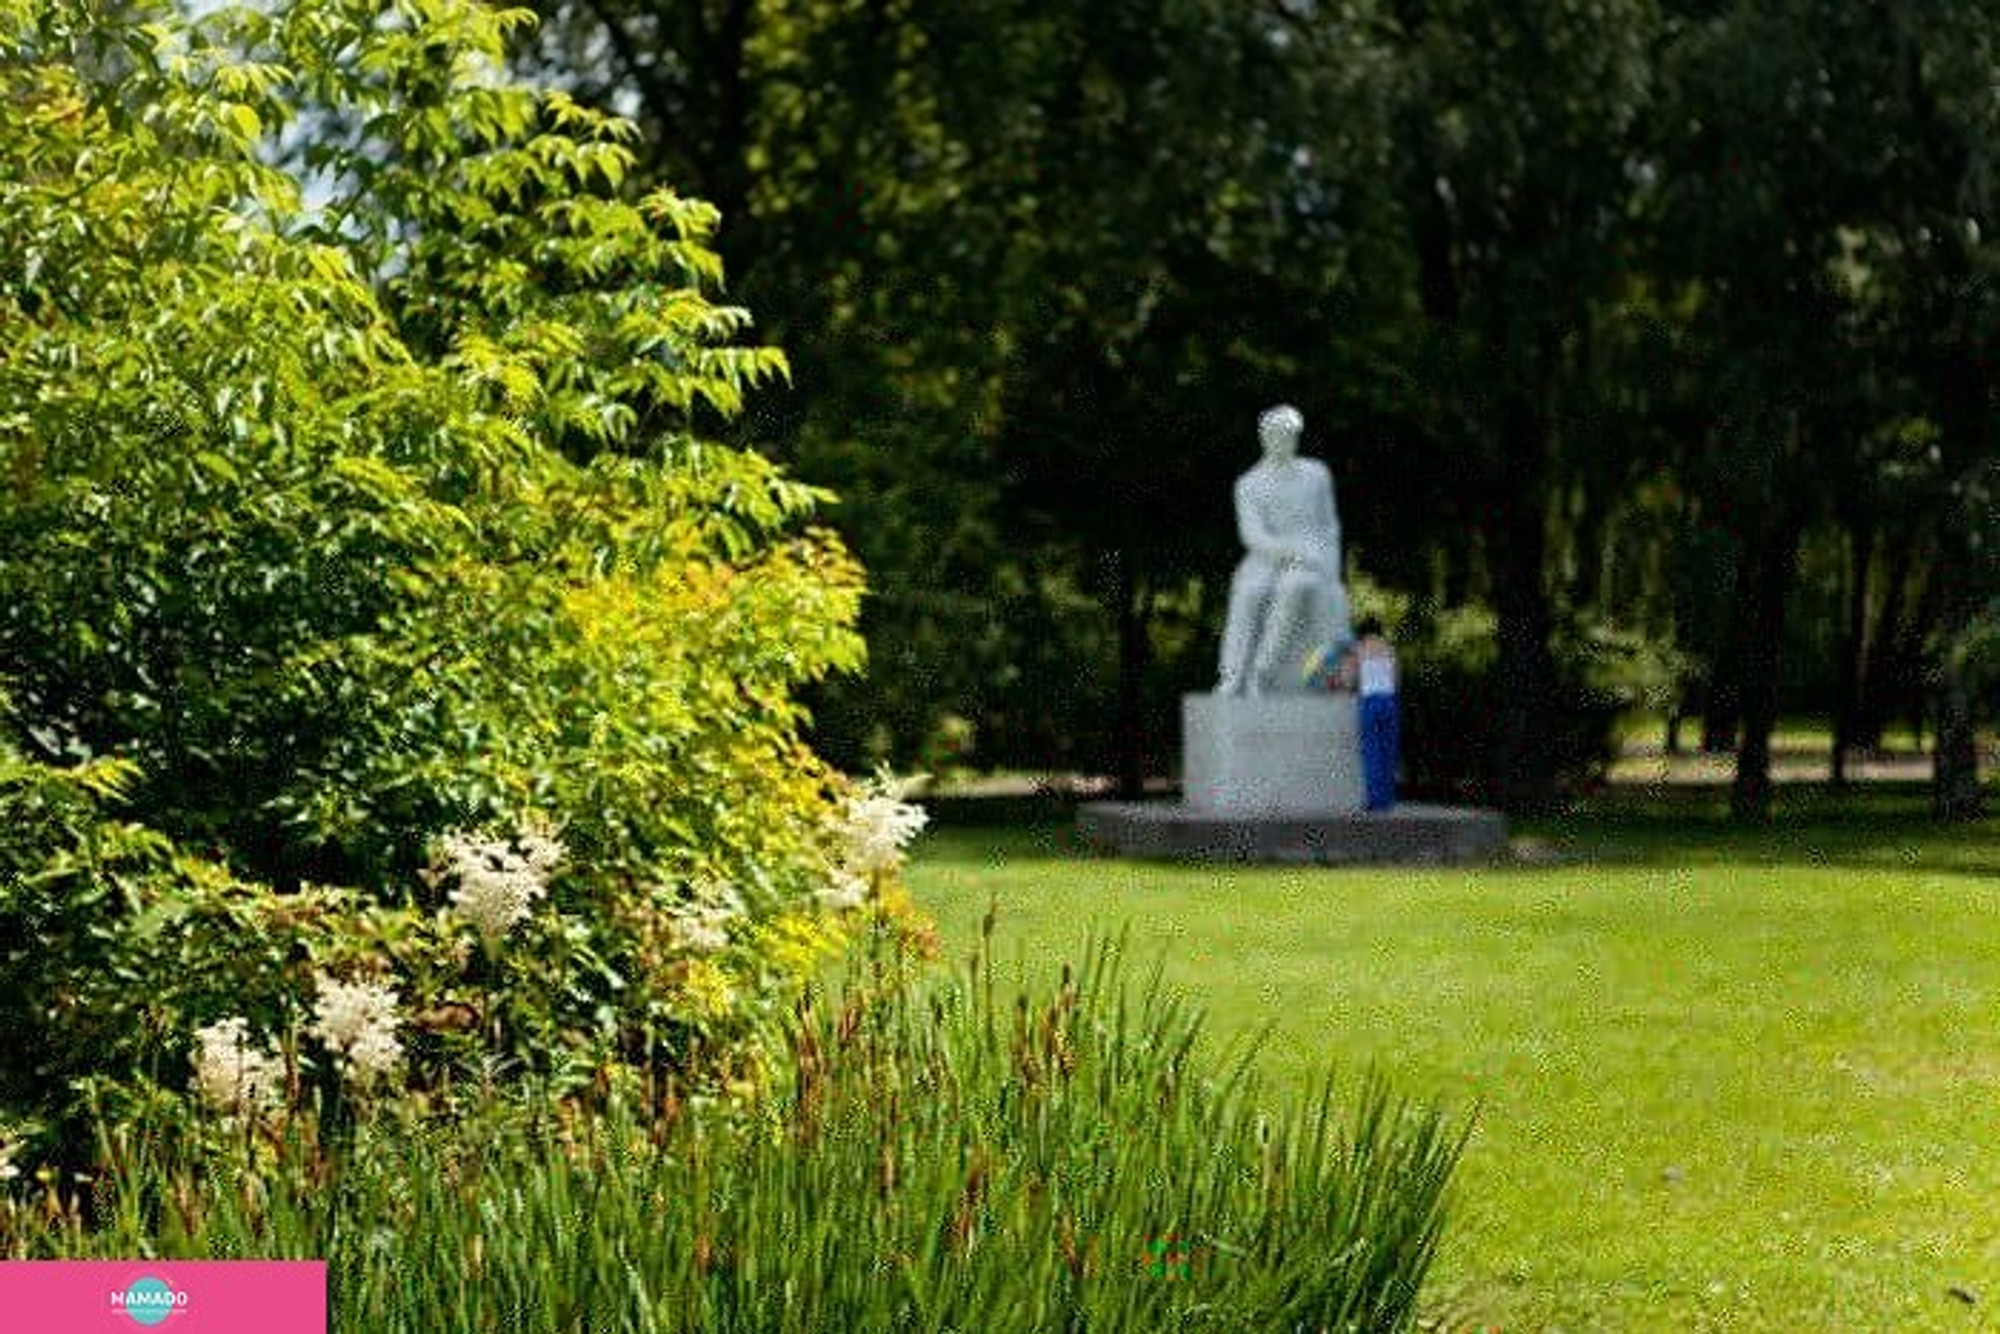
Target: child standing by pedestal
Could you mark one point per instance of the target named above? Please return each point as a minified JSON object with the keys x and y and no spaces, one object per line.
{"x":1375,"y":682}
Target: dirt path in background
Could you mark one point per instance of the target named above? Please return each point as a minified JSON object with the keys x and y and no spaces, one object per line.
{"x":1651,"y":764}
{"x":1640,"y":765}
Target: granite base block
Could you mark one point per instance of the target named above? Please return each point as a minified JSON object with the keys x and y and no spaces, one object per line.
{"x":1410,"y":833}
{"x":1271,"y":755}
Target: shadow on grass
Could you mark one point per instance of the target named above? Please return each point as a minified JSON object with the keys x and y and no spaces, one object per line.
{"x":1876,"y":826}
{"x":1873,"y":826}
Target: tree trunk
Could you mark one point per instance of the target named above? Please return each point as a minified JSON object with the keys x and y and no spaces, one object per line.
{"x":1132,"y":657}
{"x":1861,"y":549}
{"x":1769,"y":567}
{"x":1524,"y":777}
{"x":1965,"y":413}
{"x":1886,"y":657}
{"x":1722,"y":695}
{"x":1956,"y":793}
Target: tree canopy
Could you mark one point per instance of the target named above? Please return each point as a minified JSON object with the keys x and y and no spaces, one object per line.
{"x":1613,"y":315}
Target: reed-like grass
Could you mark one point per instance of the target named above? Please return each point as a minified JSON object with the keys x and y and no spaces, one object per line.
{"x":930,"y":1158}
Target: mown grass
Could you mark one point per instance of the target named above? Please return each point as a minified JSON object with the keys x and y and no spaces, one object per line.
{"x":1726,"y":1078}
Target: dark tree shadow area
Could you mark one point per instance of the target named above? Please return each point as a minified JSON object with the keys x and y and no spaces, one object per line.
{"x":1874,"y":826}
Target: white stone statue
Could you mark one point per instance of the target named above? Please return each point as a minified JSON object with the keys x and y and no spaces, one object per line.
{"x":1286,"y":602}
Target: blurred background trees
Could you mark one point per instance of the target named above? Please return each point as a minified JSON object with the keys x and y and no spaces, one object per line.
{"x":1655,"y":332}
{"x":1650,"y":342}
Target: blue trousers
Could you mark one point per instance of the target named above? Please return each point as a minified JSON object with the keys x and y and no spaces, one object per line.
{"x":1381,"y":751}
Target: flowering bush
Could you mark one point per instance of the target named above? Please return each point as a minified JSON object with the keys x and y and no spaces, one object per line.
{"x":145,"y":972}
{"x":407,"y":692}
{"x":354,"y":520}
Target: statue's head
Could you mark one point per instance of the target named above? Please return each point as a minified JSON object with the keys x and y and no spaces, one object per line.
{"x":1278,"y":431}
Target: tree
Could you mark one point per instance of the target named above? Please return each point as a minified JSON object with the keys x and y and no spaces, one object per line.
{"x":1814,"y":113}
{"x":858,"y":159}
{"x":1940,"y":263}
{"x":1068,"y":214}
{"x":1513,"y":153}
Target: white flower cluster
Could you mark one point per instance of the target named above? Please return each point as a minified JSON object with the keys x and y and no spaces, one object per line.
{"x":846,"y":892}
{"x":230,"y":1074}
{"x":357,"y":1020}
{"x":877,"y":827}
{"x":702,"y":927}
{"x":499,"y":879}
{"x":8,"y":1171}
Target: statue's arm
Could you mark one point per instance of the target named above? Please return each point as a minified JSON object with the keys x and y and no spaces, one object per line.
{"x":1330,"y":515}
{"x":1257,"y":539}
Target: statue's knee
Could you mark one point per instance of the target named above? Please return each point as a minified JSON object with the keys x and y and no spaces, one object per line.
{"x":1296,"y":589}
{"x":1249,"y":582}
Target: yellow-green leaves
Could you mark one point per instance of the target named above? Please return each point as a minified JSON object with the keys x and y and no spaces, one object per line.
{"x":353,"y":508}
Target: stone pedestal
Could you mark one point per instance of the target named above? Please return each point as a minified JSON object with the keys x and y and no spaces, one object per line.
{"x":1273,"y":755}
{"x":1408,"y":833}
{"x":1278,"y":779}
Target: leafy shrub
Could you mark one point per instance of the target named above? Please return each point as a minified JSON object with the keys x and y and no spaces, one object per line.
{"x":938,"y":1158}
{"x":144,"y":979}
{"x":352,"y":521}
{"x":1450,"y":737}
{"x":1451,"y":699}
{"x":332,"y":526}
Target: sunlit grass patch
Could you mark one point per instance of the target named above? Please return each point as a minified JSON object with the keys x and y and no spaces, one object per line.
{"x":1727,"y":1078}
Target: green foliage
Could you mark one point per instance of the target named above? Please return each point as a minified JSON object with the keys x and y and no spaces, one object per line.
{"x":1517,"y":263}
{"x":1450,"y":702}
{"x":941,"y":1158}
{"x":335,"y":518}
{"x":115,"y":942}
{"x":325,"y":515}
{"x":1014,"y":240}
{"x":123,"y":952}
{"x":292,"y":523}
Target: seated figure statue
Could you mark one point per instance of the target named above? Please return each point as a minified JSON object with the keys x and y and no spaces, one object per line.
{"x":1287,"y":604}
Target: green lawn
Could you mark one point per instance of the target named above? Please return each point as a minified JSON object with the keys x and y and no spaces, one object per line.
{"x":1725,"y":1080}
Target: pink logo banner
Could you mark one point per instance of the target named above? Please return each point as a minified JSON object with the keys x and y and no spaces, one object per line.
{"x":175,"y":1296}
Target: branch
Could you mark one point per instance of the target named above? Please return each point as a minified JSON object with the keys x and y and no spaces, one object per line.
{"x":654,"y":85}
